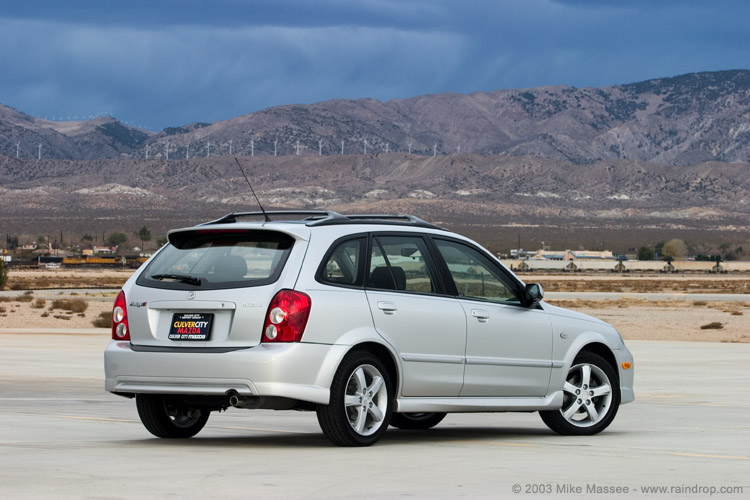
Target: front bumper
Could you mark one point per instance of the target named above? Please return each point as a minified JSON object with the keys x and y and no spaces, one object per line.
{"x":292,"y":370}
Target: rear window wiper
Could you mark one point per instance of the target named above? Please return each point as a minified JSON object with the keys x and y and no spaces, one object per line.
{"x":182,"y":278}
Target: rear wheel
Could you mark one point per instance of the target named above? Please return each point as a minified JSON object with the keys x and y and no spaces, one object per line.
{"x":168,"y":417}
{"x":416,"y":421}
{"x":591,"y":397}
{"x":360,"y":406}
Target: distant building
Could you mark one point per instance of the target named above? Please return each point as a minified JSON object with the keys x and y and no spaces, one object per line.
{"x":573,"y":255}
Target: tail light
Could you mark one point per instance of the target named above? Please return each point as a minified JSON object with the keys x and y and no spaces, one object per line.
{"x":120,"y":329}
{"x":287,"y":317}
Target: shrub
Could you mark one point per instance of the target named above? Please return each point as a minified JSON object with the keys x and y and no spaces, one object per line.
{"x":3,"y":274}
{"x":38,"y":304}
{"x":104,"y":320}
{"x":72,"y":305}
{"x":713,"y":326}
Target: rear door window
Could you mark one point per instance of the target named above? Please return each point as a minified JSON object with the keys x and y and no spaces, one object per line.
{"x":402,"y":263}
{"x":216,"y":259}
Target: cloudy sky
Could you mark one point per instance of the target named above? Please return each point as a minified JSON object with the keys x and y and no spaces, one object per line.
{"x":159,"y":63}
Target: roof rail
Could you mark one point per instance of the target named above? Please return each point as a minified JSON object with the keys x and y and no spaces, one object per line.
{"x":311,"y":215}
{"x":329,"y":218}
{"x":392,"y":219}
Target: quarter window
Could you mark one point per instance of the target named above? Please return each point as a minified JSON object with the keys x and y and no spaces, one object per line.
{"x":343,"y":266}
{"x":475,"y":275}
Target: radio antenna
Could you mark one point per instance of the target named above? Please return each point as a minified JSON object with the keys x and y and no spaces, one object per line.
{"x":265,"y":215}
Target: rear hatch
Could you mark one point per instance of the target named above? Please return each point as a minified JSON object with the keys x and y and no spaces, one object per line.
{"x":210,"y":288}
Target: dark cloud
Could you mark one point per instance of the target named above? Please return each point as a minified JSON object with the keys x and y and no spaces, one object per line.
{"x":172,"y":62}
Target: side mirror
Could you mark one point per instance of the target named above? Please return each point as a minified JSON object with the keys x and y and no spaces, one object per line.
{"x":533,"y":294}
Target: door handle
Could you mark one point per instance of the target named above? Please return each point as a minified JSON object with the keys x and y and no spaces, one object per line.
{"x":387,"y":307}
{"x":481,"y":315}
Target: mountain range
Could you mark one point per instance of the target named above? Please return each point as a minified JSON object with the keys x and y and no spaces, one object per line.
{"x":682,"y":120}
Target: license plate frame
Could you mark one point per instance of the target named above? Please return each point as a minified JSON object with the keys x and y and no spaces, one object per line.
{"x":191,"y":327}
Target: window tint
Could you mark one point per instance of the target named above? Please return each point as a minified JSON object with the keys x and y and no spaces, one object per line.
{"x":401,"y":263}
{"x":474,"y":274}
{"x":343,"y":264}
{"x":214,"y":259}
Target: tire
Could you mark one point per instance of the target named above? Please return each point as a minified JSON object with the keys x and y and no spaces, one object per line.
{"x":167,"y":417}
{"x":416,"y":421}
{"x":585,"y":416}
{"x":361,"y":402}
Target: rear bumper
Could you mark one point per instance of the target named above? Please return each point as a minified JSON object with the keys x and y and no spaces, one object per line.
{"x":294,"y":370}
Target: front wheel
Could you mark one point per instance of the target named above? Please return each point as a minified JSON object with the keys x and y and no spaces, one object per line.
{"x":360,"y":406}
{"x":591,"y":398}
{"x":168,"y":417}
{"x":416,"y":421}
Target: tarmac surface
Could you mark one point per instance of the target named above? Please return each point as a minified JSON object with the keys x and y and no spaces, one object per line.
{"x":63,"y":437}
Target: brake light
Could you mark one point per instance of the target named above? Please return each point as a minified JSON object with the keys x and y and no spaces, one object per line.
{"x":120,"y":329}
{"x":287,"y":317}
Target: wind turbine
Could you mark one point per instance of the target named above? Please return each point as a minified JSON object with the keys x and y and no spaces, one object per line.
{"x":208,"y":151}
{"x":187,"y":151}
{"x":40,"y":152}
{"x":434,"y":149}
{"x":275,"y":142}
{"x":252,"y":147}
{"x":167,"y":148}
{"x":342,"y":147}
{"x":18,"y":144}
{"x":410,"y":148}
{"x":297,"y":147}
{"x":365,"y":146}
{"x":230,"y":147}
{"x":147,"y":148}
{"x":320,"y":147}
{"x":387,"y":147}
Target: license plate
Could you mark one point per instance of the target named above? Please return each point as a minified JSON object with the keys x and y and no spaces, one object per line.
{"x":191,"y":326}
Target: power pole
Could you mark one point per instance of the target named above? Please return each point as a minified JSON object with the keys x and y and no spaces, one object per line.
{"x":252,"y":147}
{"x":230,"y":147}
{"x":208,"y":151}
{"x":365,"y":146}
{"x":40,"y":152}
{"x":342,"y":147}
{"x":297,"y":147}
{"x":434,"y":150}
{"x":320,"y":147}
{"x":18,"y":144}
{"x":275,"y":142}
{"x":410,"y":148}
{"x":187,"y":151}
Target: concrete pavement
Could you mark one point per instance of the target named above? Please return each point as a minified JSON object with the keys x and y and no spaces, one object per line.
{"x":62,"y":436}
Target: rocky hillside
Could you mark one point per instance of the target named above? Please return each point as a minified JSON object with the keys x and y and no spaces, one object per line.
{"x":684,"y":120}
{"x":490,"y":195}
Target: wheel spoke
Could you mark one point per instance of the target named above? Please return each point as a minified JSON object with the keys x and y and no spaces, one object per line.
{"x":585,"y":375}
{"x":352,"y":400}
{"x":570,"y":388}
{"x":593,"y":414}
{"x":572,"y":410}
{"x":359,"y":424}
{"x":359,"y":376}
{"x":377,"y":383}
{"x":602,"y":390}
{"x":377,"y":415}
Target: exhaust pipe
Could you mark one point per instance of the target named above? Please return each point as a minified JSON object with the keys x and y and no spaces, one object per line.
{"x":248,"y":402}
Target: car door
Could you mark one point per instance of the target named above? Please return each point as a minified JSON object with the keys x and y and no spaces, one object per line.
{"x":508,"y":346}
{"x":412,"y":312}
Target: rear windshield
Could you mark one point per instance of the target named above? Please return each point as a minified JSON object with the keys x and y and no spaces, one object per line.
{"x":211,"y":259}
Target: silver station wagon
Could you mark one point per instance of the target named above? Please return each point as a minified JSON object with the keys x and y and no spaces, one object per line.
{"x":368,"y":320}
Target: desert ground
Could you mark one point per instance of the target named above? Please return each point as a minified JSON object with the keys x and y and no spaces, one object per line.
{"x":82,"y":299}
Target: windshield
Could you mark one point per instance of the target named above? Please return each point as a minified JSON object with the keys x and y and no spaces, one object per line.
{"x":214,"y":259}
